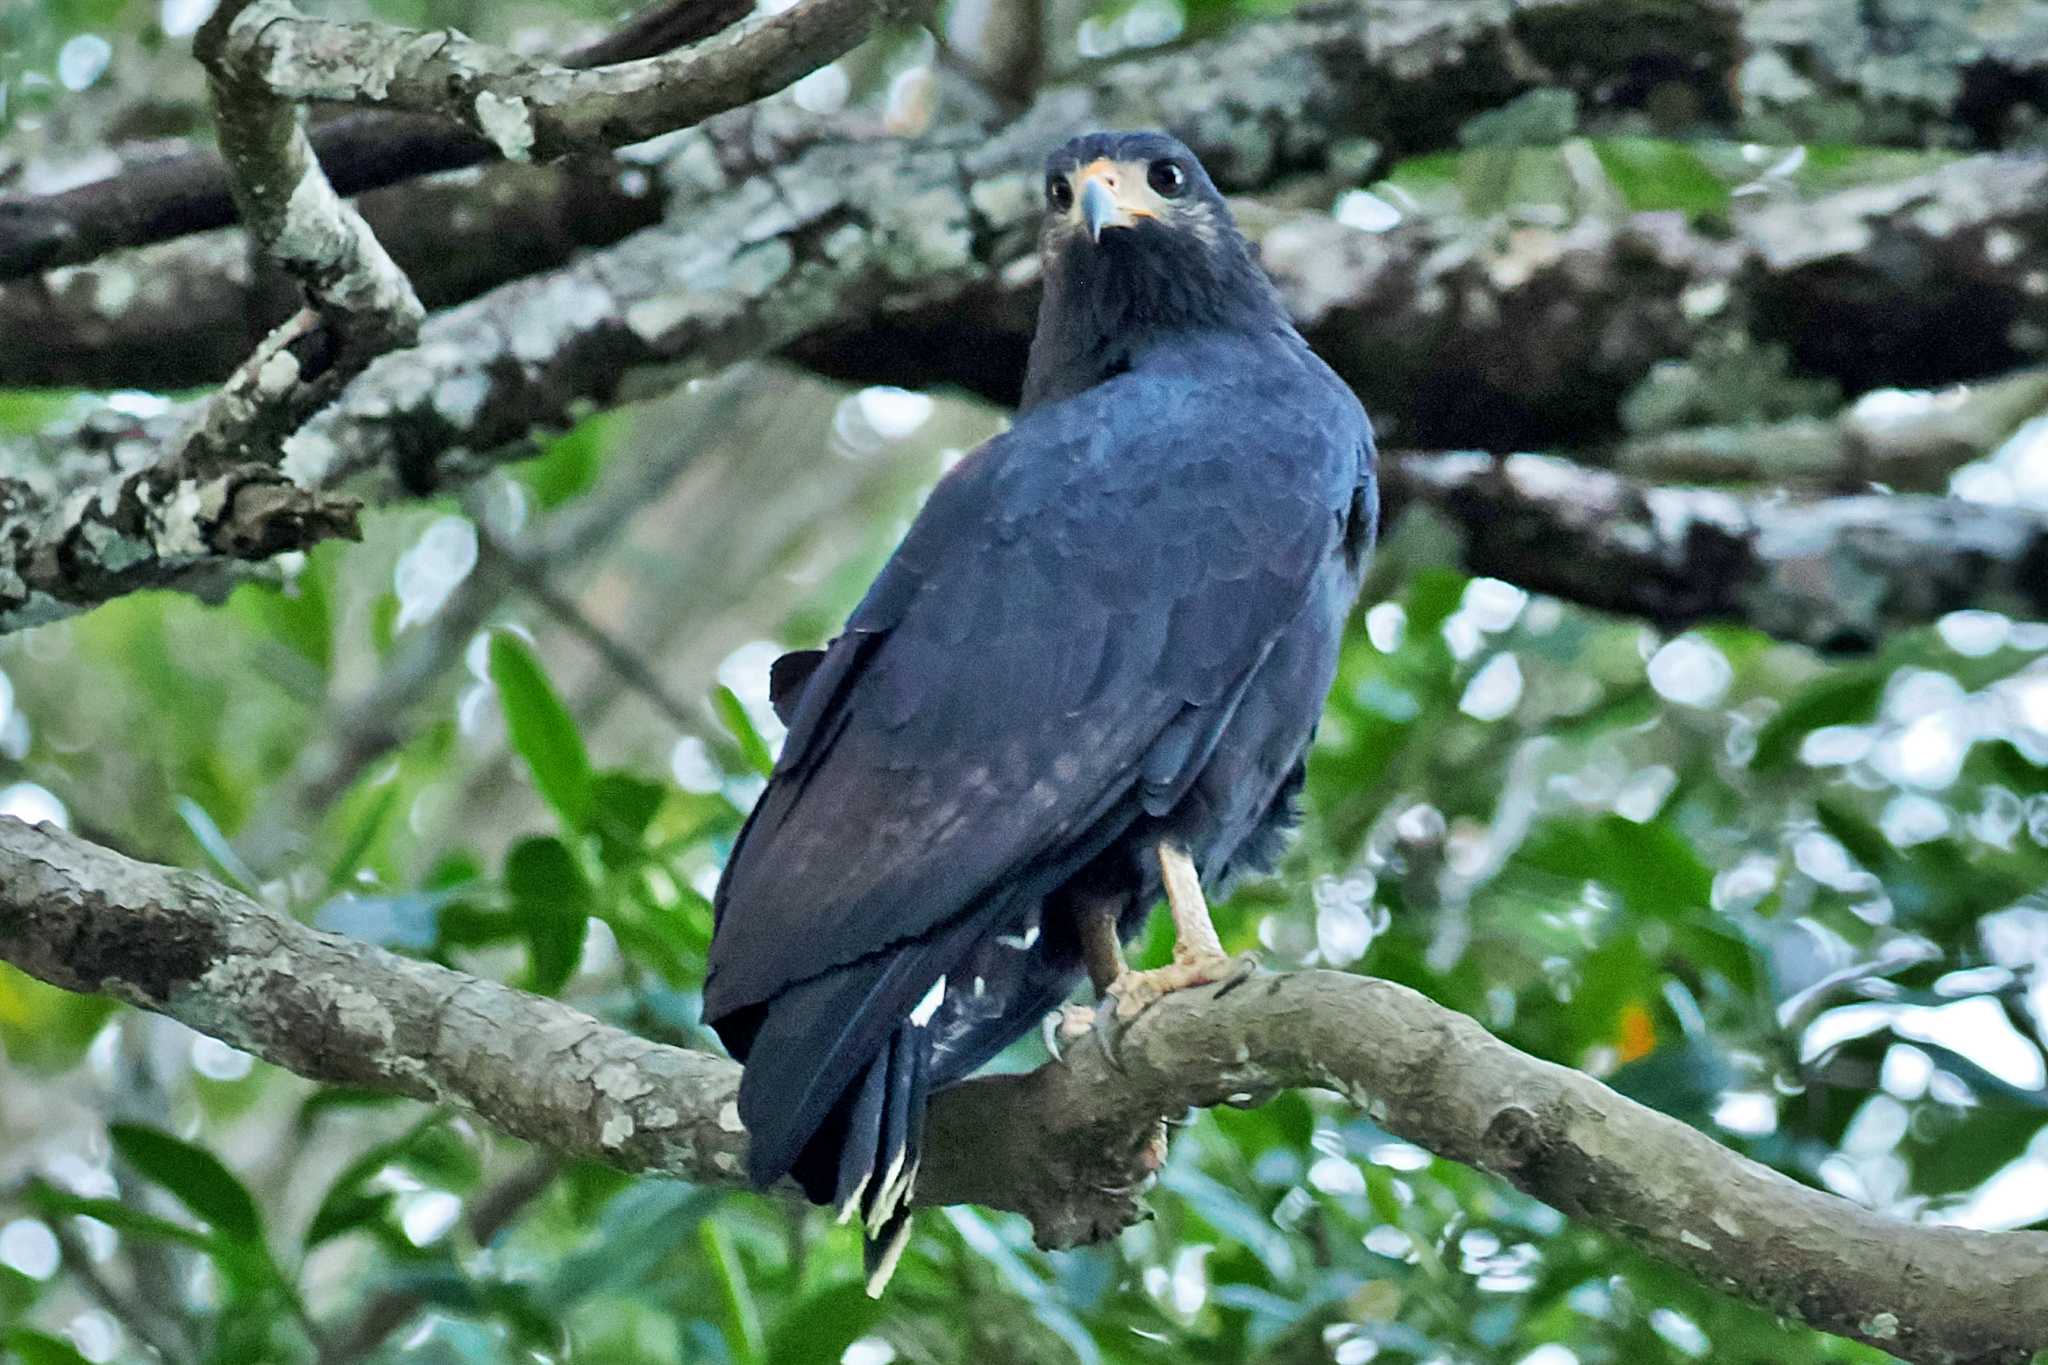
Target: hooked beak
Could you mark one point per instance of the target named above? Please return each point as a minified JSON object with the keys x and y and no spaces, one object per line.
{"x":1104,"y":204}
{"x":1100,"y":210}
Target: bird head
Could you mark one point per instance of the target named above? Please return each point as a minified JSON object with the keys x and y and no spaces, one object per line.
{"x":1131,"y":192}
{"x":1137,"y":244}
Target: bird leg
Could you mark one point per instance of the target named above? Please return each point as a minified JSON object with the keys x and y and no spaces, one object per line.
{"x":1104,"y":955}
{"x":1100,"y":947}
{"x":1198,"y":957}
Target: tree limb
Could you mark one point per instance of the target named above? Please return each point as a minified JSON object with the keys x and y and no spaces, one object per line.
{"x":1457,"y":332}
{"x":359,"y":304}
{"x":169,"y":197}
{"x":532,"y":110}
{"x":1835,"y":573}
{"x":922,"y":236}
{"x":1043,"y":1144}
{"x":1761,"y":69}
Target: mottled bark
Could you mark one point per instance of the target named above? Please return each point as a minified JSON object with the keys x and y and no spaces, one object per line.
{"x":1835,"y":573}
{"x":1508,"y":336}
{"x":167,"y":505}
{"x":1456,"y":332}
{"x":530,"y":110}
{"x":358,"y":303}
{"x":763,"y":261}
{"x":184,"y":314}
{"x":1045,"y":1144}
{"x":172,"y":196}
{"x":1968,"y":74}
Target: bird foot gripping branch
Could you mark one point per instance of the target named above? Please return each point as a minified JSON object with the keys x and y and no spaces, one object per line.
{"x":1198,"y":956}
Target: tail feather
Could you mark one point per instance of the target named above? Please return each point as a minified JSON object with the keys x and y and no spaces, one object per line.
{"x":839,"y":1070}
{"x":887,"y":1227}
{"x":863,"y":1131}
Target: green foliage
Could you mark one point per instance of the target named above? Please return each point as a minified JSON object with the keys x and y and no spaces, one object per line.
{"x":195,"y":1176}
{"x":542,"y":730}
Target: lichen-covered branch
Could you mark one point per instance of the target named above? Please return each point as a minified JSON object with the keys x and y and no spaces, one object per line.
{"x":359,"y":304}
{"x":1457,"y":332}
{"x":1836,"y":573}
{"x":167,"y":197}
{"x":532,"y":110}
{"x":935,"y":245}
{"x":213,"y":490}
{"x":1955,"y":75}
{"x":1046,"y":1144}
{"x":184,"y":314}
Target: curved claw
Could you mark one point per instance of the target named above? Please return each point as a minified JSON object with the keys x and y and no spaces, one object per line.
{"x":1065,"y":1025}
{"x":1049,"y":1034}
{"x":1108,"y":1027}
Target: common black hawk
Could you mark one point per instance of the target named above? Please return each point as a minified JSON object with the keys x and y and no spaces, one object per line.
{"x":1090,"y":673}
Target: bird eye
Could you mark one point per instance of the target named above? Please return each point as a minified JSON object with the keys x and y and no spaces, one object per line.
{"x":1166,"y":178}
{"x":1059,"y":193}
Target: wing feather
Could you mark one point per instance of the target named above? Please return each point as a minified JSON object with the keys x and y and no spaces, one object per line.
{"x":1071,"y":617}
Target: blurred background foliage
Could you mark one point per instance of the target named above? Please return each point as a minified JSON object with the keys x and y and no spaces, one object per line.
{"x":1794,"y":901}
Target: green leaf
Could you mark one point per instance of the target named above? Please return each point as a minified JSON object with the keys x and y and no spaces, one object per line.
{"x":38,"y":1348}
{"x":743,"y":1317}
{"x":345,"y":1210}
{"x":1843,"y":696}
{"x":361,"y":837}
{"x":27,"y":411}
{"x":542,"y":730}
{"x":733,"y":712}
{"x":428,"y":1149}
{"x":214,"y":844}
{"x":638,"y":1230}
{"x":622,"y":807}
{"x":817,"y":1330}
{"x":1542,"y":117}
{"x":1964,"y":1155}
{"x":195,"y":1175}
{"x":1866,"y":842}
{"x":297,"y":616}
{"x":553,"y":902}
{"x":58,"y":1203}
{"x":568,"y":465}
{"x":2013,"y":768}
{"x":1653,"y":869}
{"x":1653,"y":174}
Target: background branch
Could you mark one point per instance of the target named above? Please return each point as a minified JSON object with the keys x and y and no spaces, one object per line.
{"x":1835,"y":573}
{"x":1046,"y":1144}
{"x":173,"y":196}
{"x":536,"y":110}
{"x":1760,"y":69}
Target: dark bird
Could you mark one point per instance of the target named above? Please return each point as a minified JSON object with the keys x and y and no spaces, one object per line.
{"x":1089,"y":674}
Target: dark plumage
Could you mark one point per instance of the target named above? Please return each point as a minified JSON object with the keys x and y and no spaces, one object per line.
{"x":1112,"y":626}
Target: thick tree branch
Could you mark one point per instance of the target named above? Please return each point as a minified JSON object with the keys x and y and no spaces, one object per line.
{"x":1764,"y":69}
{"x":843,"y":233}
{"x":215,"y":491}
{"x":359,"y":304}
{"x":536,"y":110}
{"x":851,"y":248}
{"x":1044,"y":1144}
{"x":173,"y":196}
{"x":184,"y":314}
{"x":1835,"y":573}
{"x":1456,"y":332}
